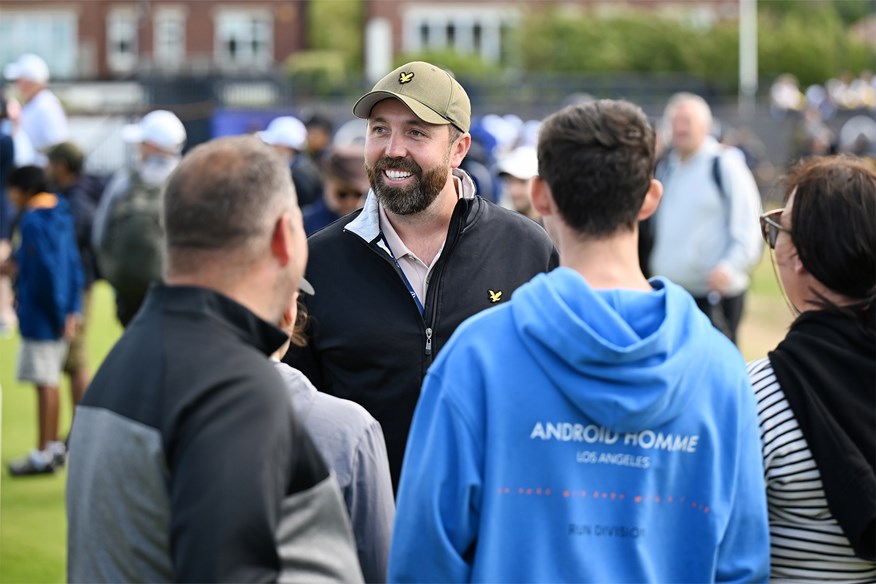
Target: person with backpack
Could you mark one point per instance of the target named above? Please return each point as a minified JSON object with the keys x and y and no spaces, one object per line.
{"x":706,"y":235}
{"x":128,"y":234}
{"x":82,"y":192}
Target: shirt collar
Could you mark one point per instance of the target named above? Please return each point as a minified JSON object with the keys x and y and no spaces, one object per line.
{"x":395,"y":242}
{"x":367,"y":224}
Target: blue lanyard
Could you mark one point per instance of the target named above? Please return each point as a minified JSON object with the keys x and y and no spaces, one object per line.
{"x":404,"y":277}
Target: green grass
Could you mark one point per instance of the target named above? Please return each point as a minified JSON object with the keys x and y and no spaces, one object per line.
{"x":33,"y":527}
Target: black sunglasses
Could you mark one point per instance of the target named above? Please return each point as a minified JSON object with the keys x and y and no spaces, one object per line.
{"x":770,"y":227}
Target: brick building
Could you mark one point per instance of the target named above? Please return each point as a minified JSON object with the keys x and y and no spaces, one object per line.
{"x":110,"y":39}
{"x":121,"y":39}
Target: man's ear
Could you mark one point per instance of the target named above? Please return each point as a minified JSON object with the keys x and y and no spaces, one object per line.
{"x":459,"y":149}
{"x":288,"y":315}
{"x":281,"y":239}
{"x":652,"y":199}
{"x":541,"y":196}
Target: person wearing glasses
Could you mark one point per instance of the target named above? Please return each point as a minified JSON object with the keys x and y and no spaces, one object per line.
{"x":345,"y":185}
{"x":816,"y":390}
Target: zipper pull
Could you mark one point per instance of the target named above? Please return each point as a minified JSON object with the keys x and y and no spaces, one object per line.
{"x":428,"y":341}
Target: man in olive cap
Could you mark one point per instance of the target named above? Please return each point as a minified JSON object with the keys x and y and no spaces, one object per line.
{"x":426,"y":252}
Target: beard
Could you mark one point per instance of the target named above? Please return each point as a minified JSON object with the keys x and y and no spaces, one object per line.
{"x":414,"y":198}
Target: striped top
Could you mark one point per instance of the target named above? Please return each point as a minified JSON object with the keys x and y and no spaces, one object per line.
{"x":806,"y":541}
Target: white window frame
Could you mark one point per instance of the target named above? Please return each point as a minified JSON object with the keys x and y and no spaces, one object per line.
{"x":51,"y":34}
{"x":251,"y":25}
{"x":122,"y":26}
{"x":169,"y":36}
{"x":439,"y":19}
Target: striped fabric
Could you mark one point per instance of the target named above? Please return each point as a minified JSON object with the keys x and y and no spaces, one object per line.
{"x":806,"y":541}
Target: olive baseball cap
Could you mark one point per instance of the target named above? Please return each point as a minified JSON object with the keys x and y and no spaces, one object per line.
{"x":431,"y":92}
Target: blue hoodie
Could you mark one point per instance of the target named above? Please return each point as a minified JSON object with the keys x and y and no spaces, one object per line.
{"x":49,"y":281}
{"x":581,"y":435}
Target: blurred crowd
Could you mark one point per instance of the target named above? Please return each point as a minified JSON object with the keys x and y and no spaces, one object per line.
{"x":277,"y":407}
{"x":815,"y":106}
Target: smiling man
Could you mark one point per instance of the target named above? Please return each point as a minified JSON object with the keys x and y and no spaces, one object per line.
{"x":424,"y":254}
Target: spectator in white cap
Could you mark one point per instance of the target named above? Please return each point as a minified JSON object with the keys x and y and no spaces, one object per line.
{"x":127,"y":236}
{"x":516,"y":170}
{"x":288,"y":136}
{"x":41,"y":118}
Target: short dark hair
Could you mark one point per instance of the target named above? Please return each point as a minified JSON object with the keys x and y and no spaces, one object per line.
{"x":68,"y":154}
{"x":30,"y":180}
{"x":833,"y":228}
{"x":319,"y":121}
{"x":223,"y":195}
{"x":598,"y":160}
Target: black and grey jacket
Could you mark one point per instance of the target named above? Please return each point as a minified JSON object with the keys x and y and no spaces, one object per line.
{"x":368,"y":341}
{"x":188,"y":464}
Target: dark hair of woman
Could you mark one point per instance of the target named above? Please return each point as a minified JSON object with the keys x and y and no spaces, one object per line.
{"x":833,"y":228}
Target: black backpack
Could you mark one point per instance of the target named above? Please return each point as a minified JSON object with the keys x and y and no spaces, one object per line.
{"x":646,"y":227}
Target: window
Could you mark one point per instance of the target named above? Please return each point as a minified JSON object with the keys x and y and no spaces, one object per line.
{"x":245,"y":38}
{"x":51,"y":35}
{"x":464,"y":29}
{"x":169,"y":45}
{"x":121,"y":39}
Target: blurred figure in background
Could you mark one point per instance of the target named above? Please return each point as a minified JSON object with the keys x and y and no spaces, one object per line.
{"x":128,"y":235}
{"x":320,"y":131}
{"x":82,"y":192}
{"x":812,"y":136}
{"x":345,"y":185}
{"x":857,"y":136}
{"x":785,"y":96}
{"x":705,"y":231}
{"x":288,"y":136}
{"x":516,"y":171}
{"x":7,"y":216}
{"x":815,"y":392}
{"x":42,"y":118}
{"x":48,"y":289}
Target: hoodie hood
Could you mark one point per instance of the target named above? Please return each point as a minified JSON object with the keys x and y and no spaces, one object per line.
{"x":633,"y":348}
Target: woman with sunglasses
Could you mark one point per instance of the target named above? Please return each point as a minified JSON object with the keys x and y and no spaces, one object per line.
{"x":817,"y":390}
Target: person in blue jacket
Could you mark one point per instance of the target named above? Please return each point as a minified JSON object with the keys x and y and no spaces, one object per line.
{"x":596,"y":428}
{"x":48,"y":291}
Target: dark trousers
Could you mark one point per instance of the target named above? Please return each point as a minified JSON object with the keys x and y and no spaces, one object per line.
{"x":725,"y":314}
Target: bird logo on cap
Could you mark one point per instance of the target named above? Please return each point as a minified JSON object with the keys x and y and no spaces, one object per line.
{"x":405,"y":77}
